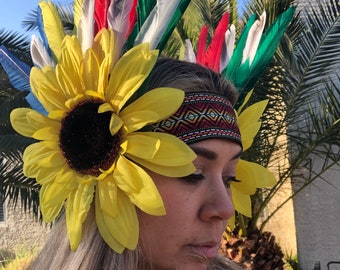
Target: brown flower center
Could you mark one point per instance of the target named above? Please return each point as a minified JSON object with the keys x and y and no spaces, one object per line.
{"x":86,"y":141}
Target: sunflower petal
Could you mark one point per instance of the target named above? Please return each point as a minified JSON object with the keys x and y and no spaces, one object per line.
{"x":170,"y":171}
{"x":104,"y":229}
{"x":46,"y":88}
{"x":77,"y":207}
{"x":52,"y":197}
{"x":155,"y":147}
{"x":254,"y":176}
{"x":136,"y":63}
{"x":123,"y":228}
{"x":152,"y":107}
{"x":27,"y":122}
{"x":107,"y":196}
{"x":241,"y":202}
{"x":249,"y":123}
{"x":139,"y":186}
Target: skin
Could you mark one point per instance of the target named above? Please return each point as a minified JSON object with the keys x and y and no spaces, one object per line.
{"x":198,"y":208}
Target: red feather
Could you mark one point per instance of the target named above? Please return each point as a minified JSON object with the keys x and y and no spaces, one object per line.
{"x":213,"y":54}
{"x":132,"y":16}
{"x":201,"y":44}
{"x":100,"y":14}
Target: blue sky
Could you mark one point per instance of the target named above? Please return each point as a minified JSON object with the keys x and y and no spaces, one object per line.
{"x":13,"y":12}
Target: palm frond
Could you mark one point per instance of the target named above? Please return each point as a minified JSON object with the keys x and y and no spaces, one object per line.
{"x":301,"y":124}
{"x":66,"y":15}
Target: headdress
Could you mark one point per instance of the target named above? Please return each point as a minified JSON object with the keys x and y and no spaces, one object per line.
{"x":94,"y":78}
{"x":242,"y":65}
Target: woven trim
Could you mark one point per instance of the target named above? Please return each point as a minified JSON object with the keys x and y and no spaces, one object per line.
{"x":202,"y":116}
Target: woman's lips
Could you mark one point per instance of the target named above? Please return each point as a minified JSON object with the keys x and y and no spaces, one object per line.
{"x":208,"y":250}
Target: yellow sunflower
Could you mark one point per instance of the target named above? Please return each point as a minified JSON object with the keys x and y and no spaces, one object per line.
{"x":90,"y":144}
{"x":252,"y":175}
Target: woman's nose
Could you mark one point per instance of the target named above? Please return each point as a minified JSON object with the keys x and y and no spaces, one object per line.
{"x":218,"y":202}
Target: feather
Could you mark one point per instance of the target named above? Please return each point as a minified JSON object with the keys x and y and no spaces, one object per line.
{"x":85,"y":32}
{"x":172,"y":23}
{"x":213,"y":53}
{"x":17,"y":71}
{"x":228,"y":47}
{"x":157,"y":23}
{"x":77,"y":13}
{"x":18,"y":74}
{"x":267,"y":47}
{"x":253,"y":39}
{"x":189,"y":54}
{"x":40,"y":25}
{"x":40,"y":55}
{"x":201,"y":44}
{"x":100,"y":14}
{"x":132,"y":16}
{"x":119,"y":14}
{"x":143,"y":9}
{"x":52,"y":26}
{"x":232,"y":68}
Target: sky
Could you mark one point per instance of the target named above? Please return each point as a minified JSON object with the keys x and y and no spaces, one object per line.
{"x":13,"y":12}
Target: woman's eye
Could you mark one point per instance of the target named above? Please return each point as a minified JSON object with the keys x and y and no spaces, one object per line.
{"x":193,"y":178}
{"x":227,"y":180}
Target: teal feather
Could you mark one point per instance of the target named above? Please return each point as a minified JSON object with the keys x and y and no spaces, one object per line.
{"x":269,"y":42}
{"x":144,"y":8}
{"x":244,"y":76}
{"x":231,"y":70}
{"x":173,"y":22}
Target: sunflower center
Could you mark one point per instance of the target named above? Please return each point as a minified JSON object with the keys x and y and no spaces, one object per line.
{"x":86,"y":141}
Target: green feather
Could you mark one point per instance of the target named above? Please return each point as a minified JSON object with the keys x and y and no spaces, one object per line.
{"x":144,"y":7}
{"x":244,"y":77}
{"x":182,"y":6}
{"x":231,"y":70}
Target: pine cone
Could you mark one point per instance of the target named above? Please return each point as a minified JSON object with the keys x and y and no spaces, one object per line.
{"x":257,"y":251}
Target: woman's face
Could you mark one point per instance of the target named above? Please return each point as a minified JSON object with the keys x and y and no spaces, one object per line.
{"x":198,"y":208}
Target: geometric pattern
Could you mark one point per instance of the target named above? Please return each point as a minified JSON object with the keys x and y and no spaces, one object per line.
{"x":202,"y":116}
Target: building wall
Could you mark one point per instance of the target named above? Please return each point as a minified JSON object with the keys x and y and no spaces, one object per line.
{"x":317,"y":215}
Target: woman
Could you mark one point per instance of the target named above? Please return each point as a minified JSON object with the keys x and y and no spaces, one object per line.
{"x":197,"y":206}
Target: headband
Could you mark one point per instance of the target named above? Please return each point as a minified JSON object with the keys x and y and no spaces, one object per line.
{"x":202,"y":116}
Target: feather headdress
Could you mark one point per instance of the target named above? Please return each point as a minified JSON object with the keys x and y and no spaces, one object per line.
{"x":244,"y":63}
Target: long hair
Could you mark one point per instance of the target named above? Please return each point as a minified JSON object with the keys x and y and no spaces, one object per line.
{"x":93,"y":252}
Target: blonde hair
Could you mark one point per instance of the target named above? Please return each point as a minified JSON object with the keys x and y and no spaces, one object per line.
{"x":92,"y":252}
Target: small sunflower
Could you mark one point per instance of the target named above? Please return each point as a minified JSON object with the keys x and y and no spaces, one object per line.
{"x":91,"y":145}
{"x":252,"y":175}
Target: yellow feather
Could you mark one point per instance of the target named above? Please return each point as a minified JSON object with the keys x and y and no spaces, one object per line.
{"x":53,"y":27}
{"x":78,"y":10}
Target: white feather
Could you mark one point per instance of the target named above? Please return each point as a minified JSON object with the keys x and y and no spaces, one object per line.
{"x":228,"y":47}
{"x":157,"y":22}
{"x":40,"y":56}
{"x":189,"y":54}
{"x":118,"y":15}
{"x":85,"y":29}
{"x":253,"y":39}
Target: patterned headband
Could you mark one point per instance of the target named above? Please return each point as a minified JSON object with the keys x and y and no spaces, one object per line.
{"x":202,"y":116}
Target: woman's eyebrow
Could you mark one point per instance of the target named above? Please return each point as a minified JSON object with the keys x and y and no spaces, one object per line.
{"x":206,"y":153}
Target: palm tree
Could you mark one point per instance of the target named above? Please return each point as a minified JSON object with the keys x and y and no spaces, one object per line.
{"x":13,"y":184}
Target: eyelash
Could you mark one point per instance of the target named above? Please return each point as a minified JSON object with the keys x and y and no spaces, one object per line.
{"x":195,"y":178}
{"x":227,"y":180}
